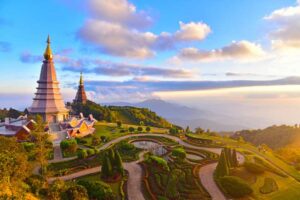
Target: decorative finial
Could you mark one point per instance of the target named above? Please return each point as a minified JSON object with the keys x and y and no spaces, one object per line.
{"x":81,"y":79}
{"x":48,"y":52}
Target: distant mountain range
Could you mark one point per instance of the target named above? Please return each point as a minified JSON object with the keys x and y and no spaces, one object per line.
{"x":187,"y":116}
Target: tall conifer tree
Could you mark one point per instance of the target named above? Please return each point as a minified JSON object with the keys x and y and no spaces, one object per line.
{"x":222,"y":167}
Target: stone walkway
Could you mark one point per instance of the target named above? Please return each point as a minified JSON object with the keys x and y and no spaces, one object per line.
{"x":57,"y":152}
{"x":206,"y":175}
{"x":134,"y":183}
{"x":76,"y":174}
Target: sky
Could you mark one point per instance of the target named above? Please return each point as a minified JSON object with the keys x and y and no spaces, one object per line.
{"x":205,"y":54}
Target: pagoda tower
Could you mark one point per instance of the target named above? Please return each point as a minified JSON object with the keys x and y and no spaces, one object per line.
{"x":80,"y":95}
{"x":48,"y":101}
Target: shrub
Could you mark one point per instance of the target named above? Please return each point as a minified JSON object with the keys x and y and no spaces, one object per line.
{"x":82,"y":154}
{"x":80,"y":141}
{"x":103,"y":138}
{"x":28,"y":146}
{"x":162,"y":198}
{"x":173,"y":130}
{"x":97,"y":190}
{"x":96,"y":140}
{"x":179,"y":153}
{"x":148,"y":129}
{"x":69,"y":145}
{"x":77,"y":192}
{"x":254,"y":167}
{"x":131,"y":129}
{"x":140,"y":129}
{"x":90,"y":152}
{"x":235,"y":186}
{"x":36,"y":183}
{"x":125,"y":146}
{"x":269,"y":186}
{"x":119,"y":124}
{"x":160,"y":162}
{"x":122,"y":131}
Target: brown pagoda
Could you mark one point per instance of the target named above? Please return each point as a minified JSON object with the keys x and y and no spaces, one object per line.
{"x":80,"y":95}
{"x":48,"y":101}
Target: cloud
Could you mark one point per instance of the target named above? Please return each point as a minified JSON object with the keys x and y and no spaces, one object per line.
{"x":240,"y":74}
{"x":5,"y":46}
{"x":106,"y":68}
{"x":27,"y":57}
{"x":117,"y":28}
{"x":192,"y":31}
{"x":236,"y":50}
{"x":119,"y":11}
{"x":146,"y":88}
{"x":287,"y":27}
{"x":117,"y":40}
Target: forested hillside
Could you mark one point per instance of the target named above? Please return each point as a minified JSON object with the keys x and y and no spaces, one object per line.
{"x":125,"y":114}
{"x":9,"y":113}
{"x":275,"y":136}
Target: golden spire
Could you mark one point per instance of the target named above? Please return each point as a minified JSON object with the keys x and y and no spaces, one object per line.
{"x":81,"y":79}
{"x":48,"y":53}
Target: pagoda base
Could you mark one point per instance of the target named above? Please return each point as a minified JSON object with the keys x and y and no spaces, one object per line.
{"x":53,"y":117}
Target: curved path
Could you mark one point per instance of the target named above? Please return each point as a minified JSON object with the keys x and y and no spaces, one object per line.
{"x":206,"y":175}
{"x":76,"y":174}
{"x":134,"y":183}
{"x":135,"y":172}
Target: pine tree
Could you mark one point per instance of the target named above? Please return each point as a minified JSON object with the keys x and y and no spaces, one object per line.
{"x":187,"y":130}
{"x":234,"y":158}
{"x":118,"y":163}
{"x":106,"y":170}
{"x":222,"y":167}
{"x":111,"y":156}
{"x":228,"y":156}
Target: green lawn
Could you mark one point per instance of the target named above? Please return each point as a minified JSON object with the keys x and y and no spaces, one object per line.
{"x":112,"y":131}
{"x":288,"y":188}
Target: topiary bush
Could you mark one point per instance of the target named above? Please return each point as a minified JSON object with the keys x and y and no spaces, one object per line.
{"x":254,"y":167}
{"x":90,"y":152}
{"x":82,"y":154}
{"x":77,"y":192}
{"x":148,"y":129}
{"x":97,"y":190}
{"x":131,"y":129}
{"x":69,"y":145}
{"x":235,"y":186}
{"x":269,"y":186}
{"x":179,"y":153}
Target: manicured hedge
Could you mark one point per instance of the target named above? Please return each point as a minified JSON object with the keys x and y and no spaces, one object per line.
{"x":254,"y":167}
{"x":235,"y":186}
{"x":97,"y":190}
{"x":82,"y":154}
{"x":179,"y":152}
